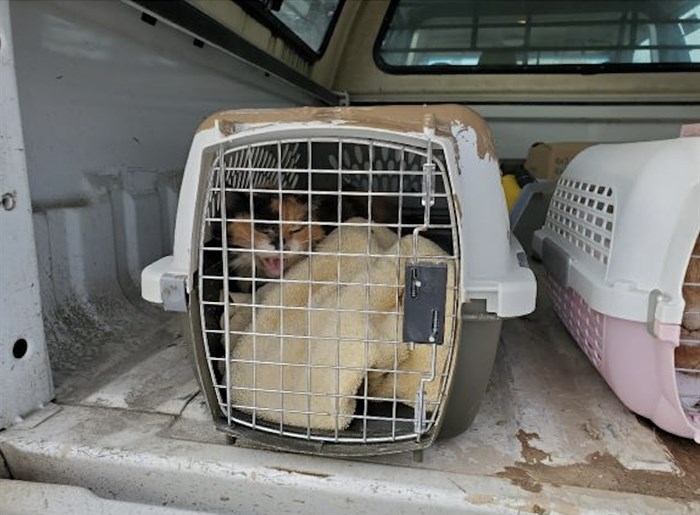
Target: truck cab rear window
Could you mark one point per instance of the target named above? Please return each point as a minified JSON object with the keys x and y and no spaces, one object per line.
{"x":546,"y":36}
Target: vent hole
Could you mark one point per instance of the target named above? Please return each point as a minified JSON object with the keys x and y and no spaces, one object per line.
{"x":8,"y":201}
{"x":19,"y":349}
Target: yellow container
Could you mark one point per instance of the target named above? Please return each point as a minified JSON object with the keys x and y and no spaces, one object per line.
{"x":511,"y":190}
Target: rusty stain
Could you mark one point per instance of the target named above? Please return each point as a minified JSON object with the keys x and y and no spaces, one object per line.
{"x":302,"y":472}
{"x":536,"y":508}
{"x":522,"y":478}
{"x":530,"y":453}
{"x":602,"y":471}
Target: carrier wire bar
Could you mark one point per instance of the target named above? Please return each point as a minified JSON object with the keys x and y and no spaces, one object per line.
{"x":403,"y":192}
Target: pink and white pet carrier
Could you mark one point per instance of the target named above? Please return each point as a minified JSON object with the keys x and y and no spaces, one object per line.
{"x":619,"y":246}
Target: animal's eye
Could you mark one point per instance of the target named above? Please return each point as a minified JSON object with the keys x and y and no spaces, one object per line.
{"x":296,"y":229}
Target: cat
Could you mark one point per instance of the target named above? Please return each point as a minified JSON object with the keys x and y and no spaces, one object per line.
{"x":279,"y":223}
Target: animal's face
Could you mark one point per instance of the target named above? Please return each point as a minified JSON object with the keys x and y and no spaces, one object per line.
{"x":275,"y":225}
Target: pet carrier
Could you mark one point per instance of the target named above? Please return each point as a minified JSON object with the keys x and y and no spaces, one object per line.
{"x":620,"y":246}
{"x":345,"y":271}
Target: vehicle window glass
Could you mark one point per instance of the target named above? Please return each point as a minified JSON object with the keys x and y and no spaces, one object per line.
{"x":300,"y":22}
{"x":308,"y":19}
{"x":537,"y":35}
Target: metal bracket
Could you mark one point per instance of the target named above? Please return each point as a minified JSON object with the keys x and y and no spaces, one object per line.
{"x":173,"y":292}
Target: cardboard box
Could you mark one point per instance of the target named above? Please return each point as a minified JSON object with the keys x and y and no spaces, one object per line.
{"x":548,"y":160}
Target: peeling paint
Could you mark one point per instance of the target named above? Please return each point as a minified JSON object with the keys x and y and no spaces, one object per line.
{"x":397,"y":118}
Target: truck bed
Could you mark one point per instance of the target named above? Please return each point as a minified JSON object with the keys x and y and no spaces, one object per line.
{"x":110,"y":98}
{"x":128,"y":423}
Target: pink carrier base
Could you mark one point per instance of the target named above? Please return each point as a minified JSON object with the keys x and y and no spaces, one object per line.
{"x":637,"y":366}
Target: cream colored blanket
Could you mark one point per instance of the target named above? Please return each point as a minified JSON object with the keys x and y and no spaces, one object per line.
{"x":305,"y":367}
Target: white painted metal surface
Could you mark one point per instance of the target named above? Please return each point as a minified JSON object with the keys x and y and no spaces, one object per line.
{"x":108,"y":108}
{"x":109,"y":104}
{"x":28,"y":498}
{"x":553,"y":442}
{"x":25,"y":377}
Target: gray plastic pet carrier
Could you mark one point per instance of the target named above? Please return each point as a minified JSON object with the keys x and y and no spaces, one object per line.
{"x":345,"y":272}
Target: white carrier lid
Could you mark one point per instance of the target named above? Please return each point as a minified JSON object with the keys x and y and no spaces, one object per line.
{"x":621,"y":226}
{"x":493,"y":267}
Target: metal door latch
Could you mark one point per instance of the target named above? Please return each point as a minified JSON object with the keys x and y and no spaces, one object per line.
{"x":424,"y":303}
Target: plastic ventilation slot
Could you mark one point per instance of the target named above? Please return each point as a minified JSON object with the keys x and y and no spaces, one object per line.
{"x":583,"y":214}
{"x":583,"y":323}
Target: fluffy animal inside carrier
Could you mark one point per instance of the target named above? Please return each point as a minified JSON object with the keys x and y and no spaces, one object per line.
{"x":312,"y":376}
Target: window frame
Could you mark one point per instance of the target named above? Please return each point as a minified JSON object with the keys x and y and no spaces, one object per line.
{"x":523,"y":69}
{"x":264,"y":16}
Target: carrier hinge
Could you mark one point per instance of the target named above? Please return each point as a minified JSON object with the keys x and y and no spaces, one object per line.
{"x":173,"y":292}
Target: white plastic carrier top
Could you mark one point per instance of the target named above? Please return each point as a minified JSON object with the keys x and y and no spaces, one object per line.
{"x":493,"y":264}
{"x":624,"y":219}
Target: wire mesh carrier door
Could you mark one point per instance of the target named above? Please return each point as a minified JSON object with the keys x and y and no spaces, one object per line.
{"x":327,"y":290}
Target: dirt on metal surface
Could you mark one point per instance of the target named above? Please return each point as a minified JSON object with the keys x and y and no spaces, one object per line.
{"x":604,"y":472}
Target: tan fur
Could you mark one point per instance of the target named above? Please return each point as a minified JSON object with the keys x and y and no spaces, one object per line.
{"x":240,"y":233}
{"x":347,"y":332}
{"x":691,"y":291}
{"x":293,"y":210}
